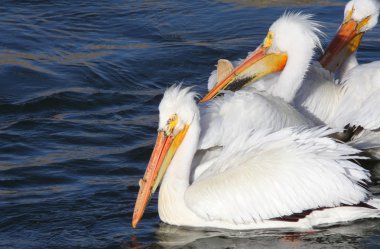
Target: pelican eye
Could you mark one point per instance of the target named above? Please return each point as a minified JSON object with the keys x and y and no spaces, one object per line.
{"x":170,"y":125}
{"x":268,"y":40}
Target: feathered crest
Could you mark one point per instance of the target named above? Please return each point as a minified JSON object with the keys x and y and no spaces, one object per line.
{"x":177,"y":93}
{"x":361,"y":9}
{"x":178,"y":100}
{"x":304,"y":23}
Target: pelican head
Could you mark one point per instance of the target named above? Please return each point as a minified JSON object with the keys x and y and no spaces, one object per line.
{"x":177,"y":110}
{"x":291,"y":38}
{"x":359,"y":17}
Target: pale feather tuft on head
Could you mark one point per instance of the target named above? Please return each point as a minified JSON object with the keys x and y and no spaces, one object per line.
{"x":295,"y":27}
{"x":180,"y":101}
{"x":361,"y":10}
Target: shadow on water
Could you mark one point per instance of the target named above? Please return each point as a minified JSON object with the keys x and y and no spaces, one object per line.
{"x":358,"y":234}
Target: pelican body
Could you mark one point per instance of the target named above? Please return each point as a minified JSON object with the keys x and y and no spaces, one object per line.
{"x":281,"y":68}
{"x":227,"y":116}
{"x":230,"y":114}
{"x":288,"y":48}
{"x":291,"y":178}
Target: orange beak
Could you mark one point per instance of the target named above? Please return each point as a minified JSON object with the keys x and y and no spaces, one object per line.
{"x":163,"y":143}
{"x":163,"y":152}
{"x":256,"y":66}
{"x":345,"y":43}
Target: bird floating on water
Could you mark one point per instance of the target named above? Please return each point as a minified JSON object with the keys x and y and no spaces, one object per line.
{"x":345,"y":93}
{"x":281,"y":67}
{"x":291,"y":178}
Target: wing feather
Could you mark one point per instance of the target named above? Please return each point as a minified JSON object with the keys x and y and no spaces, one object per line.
{"x":265,"y":175}
{"x":361,"y":86}
{"x":239,"y":112}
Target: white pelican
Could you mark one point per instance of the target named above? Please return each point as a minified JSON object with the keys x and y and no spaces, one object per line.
{"x":318,"y":97}
{"x":345,"y":101}
{"x":360,"y":16}
{"x":288,"y":48}
{"x":226,"y":117}
{"x":291,"y":178}
{"x":280,"y":64}
{"x":235,"y":112}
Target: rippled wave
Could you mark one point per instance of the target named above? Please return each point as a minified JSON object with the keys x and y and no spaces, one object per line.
{"x":80,"y":85}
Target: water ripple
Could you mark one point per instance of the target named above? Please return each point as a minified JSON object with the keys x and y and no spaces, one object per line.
{"x":80,"y":86}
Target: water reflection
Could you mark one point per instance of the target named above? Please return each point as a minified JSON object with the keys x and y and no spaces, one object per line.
{"x":350,"y":235}
{"x":11,"y":57}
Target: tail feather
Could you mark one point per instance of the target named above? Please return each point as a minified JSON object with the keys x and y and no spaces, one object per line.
{"x":374,"y":202}
{"x":367,"y":141}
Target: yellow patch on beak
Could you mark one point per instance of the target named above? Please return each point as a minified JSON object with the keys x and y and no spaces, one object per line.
{"x":363,"y":22}
{"x":345,"y":43}
{"x":348,"y":17}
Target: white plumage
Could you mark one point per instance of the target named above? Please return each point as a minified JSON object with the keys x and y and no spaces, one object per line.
{"x":224,"y":118}
{"x":312,"y":90}
{"x":235,"y":112}
{"x":258,"y":177}
{"x":361,"y":99}
{"x":297,"y":35}
{"x":262,"y":175}
{"x":352,"y":99}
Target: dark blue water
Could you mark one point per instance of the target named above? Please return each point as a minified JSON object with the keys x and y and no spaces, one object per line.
{"x":80,"y":84}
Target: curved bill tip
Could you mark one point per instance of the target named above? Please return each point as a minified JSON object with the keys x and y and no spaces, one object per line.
{"x":141,"y":203}
{"x":137,"y":215}
{"x":208,"y":97}
{"x":134,"y":223}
